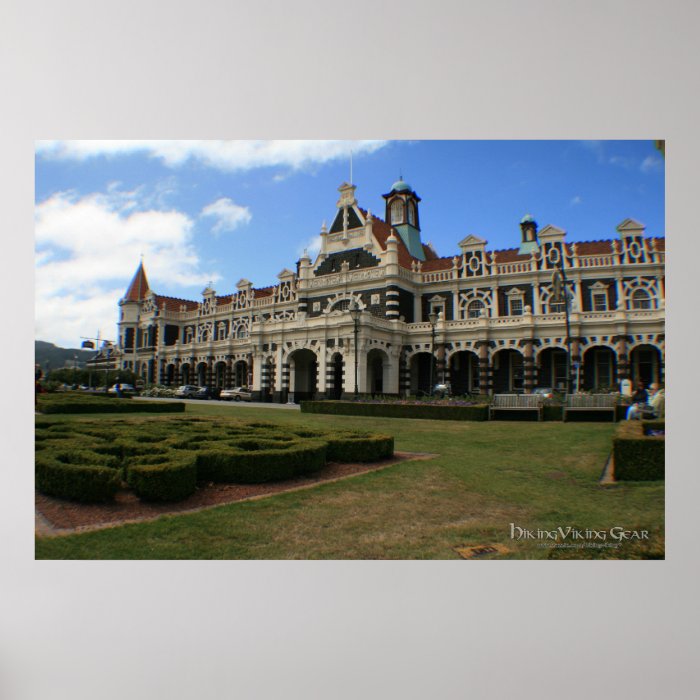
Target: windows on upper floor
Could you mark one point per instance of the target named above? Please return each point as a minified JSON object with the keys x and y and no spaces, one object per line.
{"x":641,"y":300}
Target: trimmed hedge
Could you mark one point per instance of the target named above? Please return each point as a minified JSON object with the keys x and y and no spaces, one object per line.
{"x":637,"y":455}
{"x":255,"y":462}
{"x":77,"y":476}
{"x":397,"y":410}
{"x":160,"y":480}
{"x":90,"y":404}
{"x":162,"y":459}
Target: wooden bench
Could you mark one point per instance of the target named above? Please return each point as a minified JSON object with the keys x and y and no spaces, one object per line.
{"x":516,"y":402}
{"x":605,"y":403}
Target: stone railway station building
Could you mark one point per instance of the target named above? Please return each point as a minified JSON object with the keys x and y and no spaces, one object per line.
{"x":496,"y":326}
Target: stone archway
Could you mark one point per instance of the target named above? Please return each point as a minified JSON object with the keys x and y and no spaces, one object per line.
{"x":220,"y":374}
{"x":599,"y":368}
{"x":420,"y":373}
{"x":185,"y":372}
{"x":508,"y":372}
{"x":551,"y":368}
{"x":646,"y":365}
{"x":303,"y":374}
{"x":240,"y":373}
{"x":377,"y":371}
{"x":464,"y":373}
{"x":201,"y":374}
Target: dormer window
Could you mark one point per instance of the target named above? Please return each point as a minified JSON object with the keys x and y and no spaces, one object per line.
{"x":515,"y":299}
{"x":397,"y":212}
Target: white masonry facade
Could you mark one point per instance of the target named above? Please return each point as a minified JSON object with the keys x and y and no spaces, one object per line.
{"x":482,"y":321}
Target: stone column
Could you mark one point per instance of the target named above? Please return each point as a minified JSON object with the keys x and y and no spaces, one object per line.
{"x":576,"y":363}
{"x":404,"y":374}
{"x":623,"y":367}
{"x":210,"y":371}
{"x":485,"y":370}
{"x":528,"y":366}
{"x":228,"y":377}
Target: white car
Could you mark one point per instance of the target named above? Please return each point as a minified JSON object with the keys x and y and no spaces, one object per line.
{"x":238,"y":394}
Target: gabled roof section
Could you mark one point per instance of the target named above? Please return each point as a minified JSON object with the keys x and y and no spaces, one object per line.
{"x":630,"y":225}
{"x":353,"y":220}
{"x":138,"y":289}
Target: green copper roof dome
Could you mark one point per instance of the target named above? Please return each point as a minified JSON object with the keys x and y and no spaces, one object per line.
{"x":401,"y":186}
{"x":527,"y":219}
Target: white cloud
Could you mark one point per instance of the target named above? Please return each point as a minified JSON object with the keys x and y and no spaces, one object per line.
{"x":87,"y":250}
{"x":227,"y":213}
{"x":651,"y":163}
{"x":312,"y":247}
{"x":576,"y":200}
{"x":222,"y":155}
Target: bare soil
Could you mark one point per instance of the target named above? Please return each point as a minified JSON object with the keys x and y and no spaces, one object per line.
{"x":58,"y":517}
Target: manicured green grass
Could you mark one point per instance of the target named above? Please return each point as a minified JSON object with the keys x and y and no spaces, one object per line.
{"x":487,"y":475}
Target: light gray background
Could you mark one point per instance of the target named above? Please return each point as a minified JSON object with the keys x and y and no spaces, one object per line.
{"x":508,"y":69}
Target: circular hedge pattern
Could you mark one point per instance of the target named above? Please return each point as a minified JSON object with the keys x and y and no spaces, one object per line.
{"x":163,"y":459}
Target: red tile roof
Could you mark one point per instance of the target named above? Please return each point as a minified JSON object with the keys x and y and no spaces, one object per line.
{"x":174,"y":304}
{"x":138,"y":289}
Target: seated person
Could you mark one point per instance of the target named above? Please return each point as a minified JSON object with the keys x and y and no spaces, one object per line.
{"x":651,"y":407}
{"x":639,"y":398}
{"x":657,"y":403}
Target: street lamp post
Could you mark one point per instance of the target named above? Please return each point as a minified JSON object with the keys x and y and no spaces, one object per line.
{"x":561,"y":292}
{"x":355,"y":315}
{"x":432,"y":317}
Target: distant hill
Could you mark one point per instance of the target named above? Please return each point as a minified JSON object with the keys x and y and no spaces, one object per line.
{"x":57,"y":357}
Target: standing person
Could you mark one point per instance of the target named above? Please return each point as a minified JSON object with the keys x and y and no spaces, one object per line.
{"x":639,"y":398}
{"x":118,"y":389}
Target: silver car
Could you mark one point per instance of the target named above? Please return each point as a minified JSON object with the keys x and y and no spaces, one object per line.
{"x":238,"y":394}
{"x":186,"y":391}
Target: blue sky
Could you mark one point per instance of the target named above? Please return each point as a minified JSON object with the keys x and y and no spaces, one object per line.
{"x":223,"y":210}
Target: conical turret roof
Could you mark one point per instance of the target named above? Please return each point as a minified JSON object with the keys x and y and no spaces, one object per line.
{"x":138,"y":289}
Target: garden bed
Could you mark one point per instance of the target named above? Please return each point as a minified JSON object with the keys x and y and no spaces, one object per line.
{"x":63,"y":517}
{"x":639,"y":451}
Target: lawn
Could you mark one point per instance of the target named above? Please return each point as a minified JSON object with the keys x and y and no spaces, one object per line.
{"x":486,"y":475}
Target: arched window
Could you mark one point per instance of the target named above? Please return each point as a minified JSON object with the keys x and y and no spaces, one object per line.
{"x":397,"y":211}
{"x":475,"y":308}
{"x":412,"y":213}
{"x":342,"y":305}
{"x":641,"y":299}
{"x":242,"y":331}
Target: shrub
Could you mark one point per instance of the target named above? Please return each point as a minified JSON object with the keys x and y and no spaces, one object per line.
{"x":638,"y":456}
{"x":254,"y":462}
{"x":78,"y":476}
{"x":162,"y":478}
{"x":397,"y":410}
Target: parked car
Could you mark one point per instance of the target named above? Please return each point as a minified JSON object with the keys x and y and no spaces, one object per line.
{"x":124,"y":388}
{"x":240,"y":393}
{"x":545,"y":392}
{"x":186,"y":391}
{"x":206,"y":393}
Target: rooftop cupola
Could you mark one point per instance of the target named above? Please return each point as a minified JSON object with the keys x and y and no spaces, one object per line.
{"x":402,"y":214}
{"x":528,"y":229}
